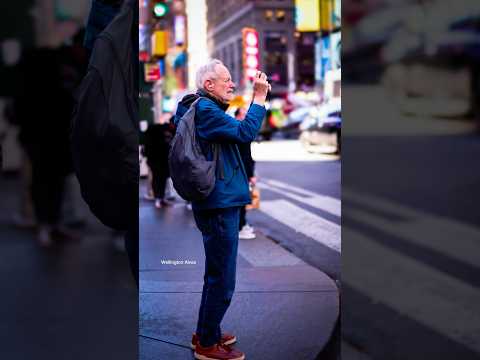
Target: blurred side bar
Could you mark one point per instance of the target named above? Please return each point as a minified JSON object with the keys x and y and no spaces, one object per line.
{"x":67,"y":291}
{"x":410,"y":146}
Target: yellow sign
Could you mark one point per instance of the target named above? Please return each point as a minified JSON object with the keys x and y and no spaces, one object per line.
{"x":308,"y":15}
{"x":326,"y":13}
{"x":159,"y":43}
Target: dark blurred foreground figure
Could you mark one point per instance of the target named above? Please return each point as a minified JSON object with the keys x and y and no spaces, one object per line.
{"x":217,"y":216}
{"x":101,"y":14}
{"x":105,"y":122}
{"x":157,"y":144}
{"x":42,"y":110}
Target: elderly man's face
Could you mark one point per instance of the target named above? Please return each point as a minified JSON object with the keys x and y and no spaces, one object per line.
{"x":221,"y":85}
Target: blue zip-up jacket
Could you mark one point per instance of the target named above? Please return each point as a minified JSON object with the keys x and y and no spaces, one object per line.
{"x":214,"y":126}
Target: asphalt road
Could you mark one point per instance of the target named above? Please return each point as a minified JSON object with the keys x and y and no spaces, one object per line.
{"x":410,"y":233}
{"x":300,"y":203}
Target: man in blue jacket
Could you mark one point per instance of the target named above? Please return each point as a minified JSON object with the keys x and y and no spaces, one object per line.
{"x":217,"y":216}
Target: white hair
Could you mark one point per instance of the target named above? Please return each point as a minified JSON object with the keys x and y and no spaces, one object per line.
{"x":206,"y":71}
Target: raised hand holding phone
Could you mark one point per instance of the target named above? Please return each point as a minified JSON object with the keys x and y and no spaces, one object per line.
{"x":260,"y":88}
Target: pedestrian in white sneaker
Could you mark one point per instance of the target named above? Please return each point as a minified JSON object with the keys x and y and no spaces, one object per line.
{"x":245,"y":231}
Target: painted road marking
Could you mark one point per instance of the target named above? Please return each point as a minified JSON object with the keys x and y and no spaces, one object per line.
{"x":322,"y":202}
{"x":435,"y":299}
{"x":444,"y":235}
{"x":304,"y":222}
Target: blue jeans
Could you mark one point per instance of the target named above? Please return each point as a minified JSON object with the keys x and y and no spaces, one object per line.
{"x":219,"y":229}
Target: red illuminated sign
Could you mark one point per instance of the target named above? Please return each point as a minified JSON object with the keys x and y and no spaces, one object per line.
{"x":152,"y":72}
{"x":250,"y":52}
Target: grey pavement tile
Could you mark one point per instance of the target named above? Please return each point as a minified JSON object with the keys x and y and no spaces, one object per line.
{"x":269,"y":326}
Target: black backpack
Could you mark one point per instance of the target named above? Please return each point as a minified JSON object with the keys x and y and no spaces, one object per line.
{"x":105,"y":133}
{"x":193,"y":176}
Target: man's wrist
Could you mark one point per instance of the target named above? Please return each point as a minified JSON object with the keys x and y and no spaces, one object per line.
{"x":259,"y":100}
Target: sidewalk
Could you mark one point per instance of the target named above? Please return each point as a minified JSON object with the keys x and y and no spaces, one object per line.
{"x":74,"y":301}
{"x":282,"y":308}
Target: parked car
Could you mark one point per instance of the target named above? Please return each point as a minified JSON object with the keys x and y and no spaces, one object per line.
{"x":321,"y":130}
{"x":437,"y":74}
{"x":291,"y":128}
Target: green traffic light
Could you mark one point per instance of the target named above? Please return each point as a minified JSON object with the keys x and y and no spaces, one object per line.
{"x":160,"y":9}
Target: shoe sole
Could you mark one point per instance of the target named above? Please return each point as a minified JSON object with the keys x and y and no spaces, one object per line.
{"x":203,"y":357}
{"x":229,"y":342}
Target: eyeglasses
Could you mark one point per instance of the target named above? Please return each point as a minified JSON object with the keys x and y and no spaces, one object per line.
{"x":227,"y":80}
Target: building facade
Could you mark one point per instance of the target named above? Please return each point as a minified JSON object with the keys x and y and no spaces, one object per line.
{"x":274,"y":21}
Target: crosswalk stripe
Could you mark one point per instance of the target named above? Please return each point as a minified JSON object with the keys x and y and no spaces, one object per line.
{"x":435,"y":299}
{"x":447,"y":236}
{"x":304,"y":222}
{"x":322,"y":202}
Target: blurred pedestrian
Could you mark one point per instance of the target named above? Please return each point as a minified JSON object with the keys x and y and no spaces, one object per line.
{"x":74,"y":62}
{"x":43,"y":109}
{"x":217,"y":216}
{"x":157,"y":145}
{"x":246,"y":231}
{"x":268,"y":127}
{"x":149,"y":195}
{"x":25,"y":218}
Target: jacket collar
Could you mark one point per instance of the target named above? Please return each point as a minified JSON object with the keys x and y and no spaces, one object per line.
{"x":221,"y":104}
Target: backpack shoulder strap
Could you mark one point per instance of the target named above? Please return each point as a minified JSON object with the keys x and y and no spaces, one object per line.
{"x":217,"y":148}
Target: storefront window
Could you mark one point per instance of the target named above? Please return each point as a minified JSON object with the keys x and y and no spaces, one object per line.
{"x":280,"y":15}
{"x":268,"y":14}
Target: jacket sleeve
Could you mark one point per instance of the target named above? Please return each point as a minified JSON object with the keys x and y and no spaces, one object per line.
{"x":213,"y":124}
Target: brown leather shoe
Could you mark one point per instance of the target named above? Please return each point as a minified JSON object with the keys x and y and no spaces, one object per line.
{"x":226,"y":339}
{"x":217,"y":352}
